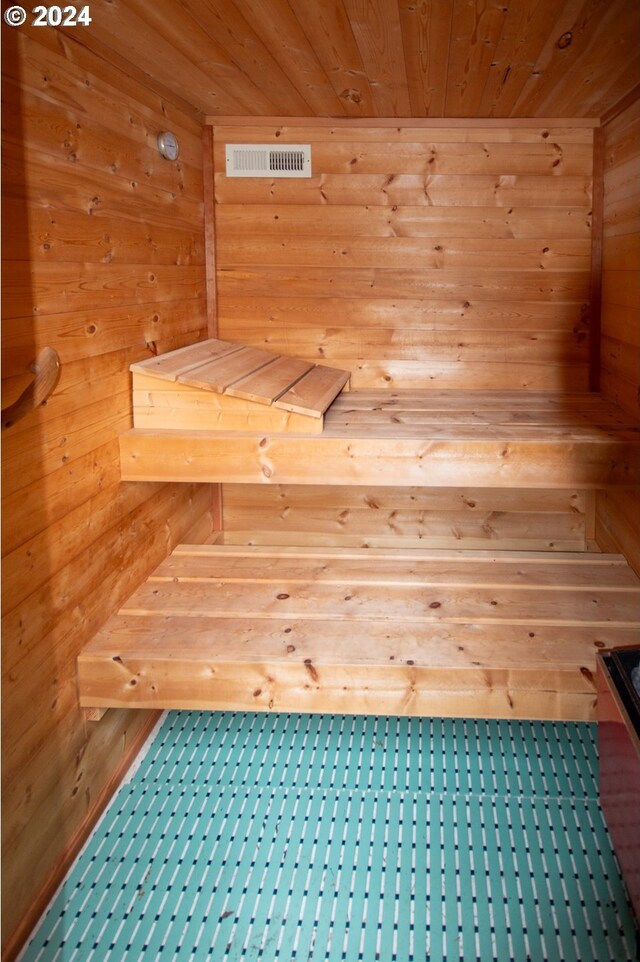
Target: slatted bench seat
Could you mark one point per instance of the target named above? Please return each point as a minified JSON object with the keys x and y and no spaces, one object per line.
{"x":222,"y":385}
{"x":217,"y":411}
{"x":374,"y":631}
{"x":421,"y":438}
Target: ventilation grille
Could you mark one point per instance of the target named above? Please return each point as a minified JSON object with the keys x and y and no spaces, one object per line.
{"x":262,"y":160}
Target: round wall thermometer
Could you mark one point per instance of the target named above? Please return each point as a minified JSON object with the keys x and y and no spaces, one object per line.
{"x":168,"y":145}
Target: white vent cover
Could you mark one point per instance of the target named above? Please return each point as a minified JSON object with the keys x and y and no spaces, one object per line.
{"x":263,"y":160}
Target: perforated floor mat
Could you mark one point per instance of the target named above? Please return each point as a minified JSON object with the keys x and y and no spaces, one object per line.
{"x":326,"y":838}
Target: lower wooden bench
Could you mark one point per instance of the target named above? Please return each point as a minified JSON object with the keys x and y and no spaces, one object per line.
{"x":367,"y":631}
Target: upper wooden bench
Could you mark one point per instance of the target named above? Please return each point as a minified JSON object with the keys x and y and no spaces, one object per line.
{"x":264,"y":427}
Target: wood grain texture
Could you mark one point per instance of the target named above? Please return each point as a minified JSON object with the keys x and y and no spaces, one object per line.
{"x":426,"y":517}
{"x":209,"y":229}
{"x":218,"y":374}
{"x":314,"y":392}
{"x":158,"y":404}
{"x":621,"y":259}
{"x":525,"y":130}
{"x":413,"y":223}
{"x":463,"y":262}
{"x":270,"y":382}
{"x":139,"y":726}
{"x":332,"y":58}
{"x":426,"y":30}
{"x":595,"y":294}
{"x":173,"y":365}
{"x":219,"y":385}
{"x":424,"y":439}
{"x":307,"y":629}
{"x":107,"y":266}
{"x":617,"y":518}
{"x":377,"y":31}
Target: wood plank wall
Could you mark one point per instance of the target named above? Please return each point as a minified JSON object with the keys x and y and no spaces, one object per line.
{"x":421,"y":256}
{"x":618,"y":516}
{"x":443,"y":255}
{"x":413,"y":517}
{"x":105,"y":248}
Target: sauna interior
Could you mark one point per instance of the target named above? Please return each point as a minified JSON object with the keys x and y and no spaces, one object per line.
{"x":456,"y":532}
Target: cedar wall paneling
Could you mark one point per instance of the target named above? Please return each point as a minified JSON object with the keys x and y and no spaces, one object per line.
{"x":447,"y":257}
{"x":104,"y":261}
{"x":414,"y":257}
{"x":618,"y":515}
{"x":412,"y":517}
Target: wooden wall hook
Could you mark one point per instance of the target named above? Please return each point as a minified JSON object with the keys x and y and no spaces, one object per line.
{"x":46,"y":368}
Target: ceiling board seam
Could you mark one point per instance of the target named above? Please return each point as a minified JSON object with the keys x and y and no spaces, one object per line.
{"x":404,"y":53}
{"x":318,"y":60}
{"x":360,"y":71}
{"x":445,"y":91}
{"x":260,"y":91}
{"x":300,"y":87}
{"x":494,"y":54}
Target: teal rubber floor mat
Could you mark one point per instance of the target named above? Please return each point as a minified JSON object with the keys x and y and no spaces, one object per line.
{"x":336,"y":839}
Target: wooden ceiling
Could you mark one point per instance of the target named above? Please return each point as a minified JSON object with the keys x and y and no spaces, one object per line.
{"x":377,"y":58}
